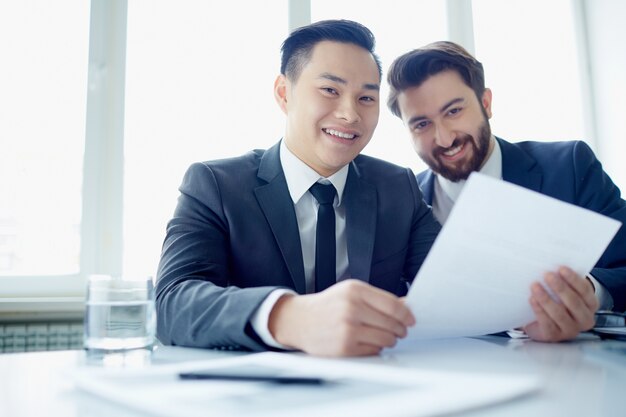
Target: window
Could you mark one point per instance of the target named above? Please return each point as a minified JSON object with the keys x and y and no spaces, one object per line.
{"x":199,"y":86}
{"x":42,"y":129}
{"x":528,"y":49}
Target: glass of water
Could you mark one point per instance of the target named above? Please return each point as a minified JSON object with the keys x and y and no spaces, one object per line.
{"x":120,"y":320}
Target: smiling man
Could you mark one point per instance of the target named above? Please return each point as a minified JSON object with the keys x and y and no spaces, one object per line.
{"x":439,"y":93}
{"x":306,"y":245}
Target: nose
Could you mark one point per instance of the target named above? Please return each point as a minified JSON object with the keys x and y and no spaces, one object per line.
{"x":347,"y":110}
{"x":444,"y":136}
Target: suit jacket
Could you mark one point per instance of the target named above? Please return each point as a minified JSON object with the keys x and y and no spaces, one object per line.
{"x":568,"y":171}
{"x":234,"y":238}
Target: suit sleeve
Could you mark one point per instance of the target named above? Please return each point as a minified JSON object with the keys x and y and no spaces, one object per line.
{"x":195,"y":305}
{"x":596,"y":191}
{"x":424,"y":231}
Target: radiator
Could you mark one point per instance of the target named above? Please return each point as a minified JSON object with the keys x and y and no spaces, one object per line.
{"x":38,"y":336}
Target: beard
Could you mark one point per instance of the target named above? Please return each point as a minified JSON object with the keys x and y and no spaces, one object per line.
{"x":461,"y":170}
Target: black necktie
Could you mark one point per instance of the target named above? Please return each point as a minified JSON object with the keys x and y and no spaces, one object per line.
{"x":325,"y":270}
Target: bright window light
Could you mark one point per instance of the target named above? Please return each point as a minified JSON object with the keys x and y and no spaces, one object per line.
{"x":43,"y":95}
{"x":528,"y":49}
{"x":199,"y":86}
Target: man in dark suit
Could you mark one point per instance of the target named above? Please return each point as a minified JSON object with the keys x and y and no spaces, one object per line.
{"x":239,"y":268}
{"x":439,"y":92}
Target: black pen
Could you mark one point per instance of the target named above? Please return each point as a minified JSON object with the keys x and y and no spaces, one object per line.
{"x":285,"y":380}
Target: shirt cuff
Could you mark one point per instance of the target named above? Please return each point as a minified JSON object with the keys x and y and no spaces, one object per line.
{"x":604,"y":297}
{"x":260,"y":318}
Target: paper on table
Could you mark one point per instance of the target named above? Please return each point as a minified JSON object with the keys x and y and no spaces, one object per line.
{"x":354,"y":389}
{"x":498,"y":239}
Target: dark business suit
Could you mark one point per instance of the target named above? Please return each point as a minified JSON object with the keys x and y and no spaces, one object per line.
{"x":568,"y":171}
{"x":234,"y":238}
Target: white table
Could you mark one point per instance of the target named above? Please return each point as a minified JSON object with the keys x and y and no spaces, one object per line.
{"x":580,"y":378}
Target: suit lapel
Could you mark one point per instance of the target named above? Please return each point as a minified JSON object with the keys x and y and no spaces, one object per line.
{"x":426,"y":181}
{"x":278,"y":209}
{"x":518,"y":167}
{"x":359,"y":198}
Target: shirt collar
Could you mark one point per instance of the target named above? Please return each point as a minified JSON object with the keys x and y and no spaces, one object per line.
{"x":300,"y":177}
{"x":492,"y":168}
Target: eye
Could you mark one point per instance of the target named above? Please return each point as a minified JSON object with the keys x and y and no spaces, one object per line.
{"x":329,"y":90}
{"x":421,"y":125}
{"x":368,"y":99}
{"x":455,"y":111}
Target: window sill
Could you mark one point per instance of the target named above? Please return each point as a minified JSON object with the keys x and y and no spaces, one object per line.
{"x":41,"y":308}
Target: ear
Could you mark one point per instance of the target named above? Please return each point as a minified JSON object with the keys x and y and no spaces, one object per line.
{"x":280,"y":92}
{"x":486,"y":102}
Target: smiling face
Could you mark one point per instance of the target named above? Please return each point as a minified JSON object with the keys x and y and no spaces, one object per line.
{"x":332,"y":108}
{"x":448,"y":124}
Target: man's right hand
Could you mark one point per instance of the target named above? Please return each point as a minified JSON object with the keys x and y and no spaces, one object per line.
{"x":351,"y":318}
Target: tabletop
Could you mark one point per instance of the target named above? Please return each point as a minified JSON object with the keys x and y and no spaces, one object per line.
{"x":584,"y":377}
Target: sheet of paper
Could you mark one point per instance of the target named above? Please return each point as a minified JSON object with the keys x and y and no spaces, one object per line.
{"x":498,"y":239}
{"x":354,"y":389}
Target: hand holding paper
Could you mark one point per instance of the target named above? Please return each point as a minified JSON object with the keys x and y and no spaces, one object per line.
{"x":573,"y":310}
{"x":498,"y":240}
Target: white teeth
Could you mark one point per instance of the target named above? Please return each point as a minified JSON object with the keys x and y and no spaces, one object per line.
{"x":453,"y":151}
{"x":339,"y":134}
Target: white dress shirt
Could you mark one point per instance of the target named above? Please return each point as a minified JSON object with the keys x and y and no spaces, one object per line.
{"x":300,"y":177}
{"x":446,"y":192}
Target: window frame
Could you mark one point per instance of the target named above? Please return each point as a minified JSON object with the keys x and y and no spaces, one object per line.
{"x":101,"y":223}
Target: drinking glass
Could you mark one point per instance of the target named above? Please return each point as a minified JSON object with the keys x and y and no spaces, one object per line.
{"x":120,"y":320}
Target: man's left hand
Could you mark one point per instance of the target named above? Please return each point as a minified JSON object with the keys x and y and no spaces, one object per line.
{"x":565,"y":319}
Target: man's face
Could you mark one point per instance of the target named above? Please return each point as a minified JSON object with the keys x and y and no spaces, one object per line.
{"x":448,"y":124}
{"x":332,"y":108}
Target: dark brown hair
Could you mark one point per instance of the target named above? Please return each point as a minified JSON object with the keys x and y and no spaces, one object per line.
{"x":415,"y":67}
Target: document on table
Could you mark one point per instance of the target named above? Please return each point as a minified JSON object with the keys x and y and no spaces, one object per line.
{"x":498,"y":239}
{"x":350,"y":389}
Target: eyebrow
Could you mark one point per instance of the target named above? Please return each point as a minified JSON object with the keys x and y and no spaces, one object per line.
{"x":443,"y":108}
{"x":339,"y":80}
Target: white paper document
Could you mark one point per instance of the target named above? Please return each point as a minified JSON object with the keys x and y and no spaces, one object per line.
{"x":498,"y":239}
{"x":352,"y":389}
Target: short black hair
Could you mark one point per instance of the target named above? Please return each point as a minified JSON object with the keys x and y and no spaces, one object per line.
{"x":415,"y":67}
{"x":296,"y":49}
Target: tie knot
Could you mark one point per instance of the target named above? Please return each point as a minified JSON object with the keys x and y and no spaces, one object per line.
{"x":323,"y":193}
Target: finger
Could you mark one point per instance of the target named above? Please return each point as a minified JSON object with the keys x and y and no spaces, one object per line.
{"x":374,"y":318}
{"x":362,"y":349}
{"x":582,"y":286}
{"x":375,"y":337}
{"x":389,"y":305}
{"x":555,"y":311}
{"x":543,"y":329}
{"x":573,"y":302}
{"x":354,"y":309}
